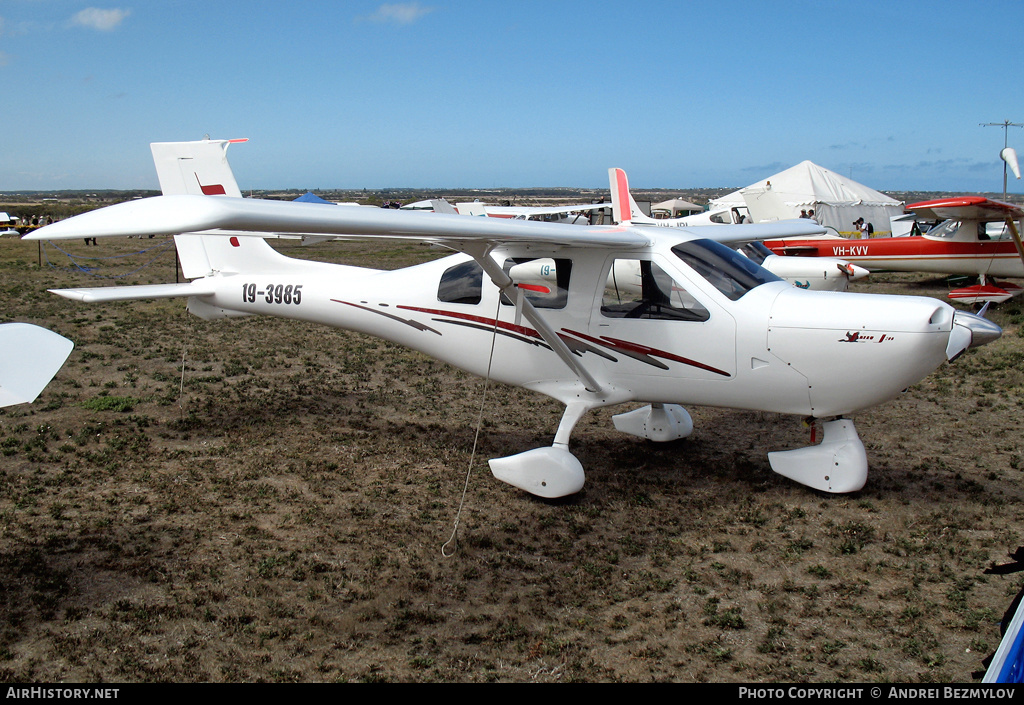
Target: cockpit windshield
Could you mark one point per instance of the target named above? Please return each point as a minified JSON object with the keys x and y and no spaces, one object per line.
{"x":727,"y":270}
{"x":756,"y":251}
{"x":945,"y":229}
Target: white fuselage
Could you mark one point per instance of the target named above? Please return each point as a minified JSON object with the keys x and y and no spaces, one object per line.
{"x":775,"y":348}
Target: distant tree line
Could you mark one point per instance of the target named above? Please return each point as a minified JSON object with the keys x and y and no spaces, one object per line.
{"x":63,"y":204}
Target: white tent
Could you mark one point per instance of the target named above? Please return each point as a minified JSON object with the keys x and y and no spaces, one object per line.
{"x":835,"y":200}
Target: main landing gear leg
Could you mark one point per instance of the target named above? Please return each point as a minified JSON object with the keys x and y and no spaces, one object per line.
{"x":838,"y":464}
{"x":546,"y":472}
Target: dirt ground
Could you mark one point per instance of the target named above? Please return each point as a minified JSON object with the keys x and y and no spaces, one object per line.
{"x":279,"y":509}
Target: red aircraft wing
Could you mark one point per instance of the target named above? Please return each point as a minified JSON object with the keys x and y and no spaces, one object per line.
{"x":967,"y":208}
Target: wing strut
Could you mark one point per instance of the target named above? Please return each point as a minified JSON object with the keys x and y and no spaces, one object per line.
{"x":1016,"y":237}
{"x":482,"y":254}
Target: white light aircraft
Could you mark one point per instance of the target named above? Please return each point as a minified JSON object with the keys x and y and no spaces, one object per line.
{"x":818,"y":273}
{"x":5,"y":225}
{"x":572,"y":214}
{"x":703,"y":325}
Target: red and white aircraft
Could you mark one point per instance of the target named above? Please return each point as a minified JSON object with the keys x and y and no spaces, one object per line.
{"x":961,"y":244}
{"x":699,"y":325}
{"x":818,"y":273}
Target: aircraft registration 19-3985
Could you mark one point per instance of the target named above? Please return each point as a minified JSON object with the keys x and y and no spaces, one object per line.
{"x":590,"y":316}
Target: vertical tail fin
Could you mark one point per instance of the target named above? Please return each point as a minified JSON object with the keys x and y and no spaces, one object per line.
{"x":619,"y":186}
{"x":195,"y":168}
{"x":624,"y":208}
{"x":201,"y":168}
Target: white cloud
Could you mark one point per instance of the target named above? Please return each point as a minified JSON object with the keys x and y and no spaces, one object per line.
{"x":103,"y":20}
{"x":399,"y":13}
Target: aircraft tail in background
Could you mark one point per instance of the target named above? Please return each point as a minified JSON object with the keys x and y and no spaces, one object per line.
{"x":624,"y":208}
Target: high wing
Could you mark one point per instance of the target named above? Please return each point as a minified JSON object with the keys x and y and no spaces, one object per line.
{"x":213,"y":215}
{"x":967,"y":208}
{"x":172,"y":215}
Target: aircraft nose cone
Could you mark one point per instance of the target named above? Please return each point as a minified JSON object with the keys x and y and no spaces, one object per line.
{"x":970,"y":331}
{"x":858,"y":272}
{"x":982,"y":330}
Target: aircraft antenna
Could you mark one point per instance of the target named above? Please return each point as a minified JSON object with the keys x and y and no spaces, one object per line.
{"x":1006,"y":125}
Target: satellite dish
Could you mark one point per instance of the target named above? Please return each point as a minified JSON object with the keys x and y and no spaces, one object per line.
{"x":1009,"y":155}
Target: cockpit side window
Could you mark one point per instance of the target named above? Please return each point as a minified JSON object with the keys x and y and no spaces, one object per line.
{"x":461,"y":284}
{"x":544,"y":280}
{"x":999,"y":231}
{"x":727,"y":270}
{"x":641,"y":289}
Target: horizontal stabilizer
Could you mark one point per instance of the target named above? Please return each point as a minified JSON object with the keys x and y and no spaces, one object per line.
{"x":442,"y":206}
{"x":980,"y":293}
{"x":135,"y":293}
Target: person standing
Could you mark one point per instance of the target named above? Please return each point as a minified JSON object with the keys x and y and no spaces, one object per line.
{"x":862,"y":228}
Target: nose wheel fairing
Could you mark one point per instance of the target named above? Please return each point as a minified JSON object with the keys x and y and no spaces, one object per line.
{"x":838,"y":464}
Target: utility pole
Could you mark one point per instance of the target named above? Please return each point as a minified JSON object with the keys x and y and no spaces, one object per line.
{"x":1006,"y":125}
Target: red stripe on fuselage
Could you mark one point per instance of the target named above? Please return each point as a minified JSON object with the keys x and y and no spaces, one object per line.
{"x":522,"y":330}
{"x":898,"y":247}
{"x":625,"y":345}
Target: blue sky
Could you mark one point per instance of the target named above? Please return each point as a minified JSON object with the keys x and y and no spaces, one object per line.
{"x":453,"y":93}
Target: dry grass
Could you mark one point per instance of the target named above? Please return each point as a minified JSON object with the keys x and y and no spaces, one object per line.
{"x":282,"y":517}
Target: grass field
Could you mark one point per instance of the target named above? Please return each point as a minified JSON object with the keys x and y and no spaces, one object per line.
{"x":276,"y":511}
